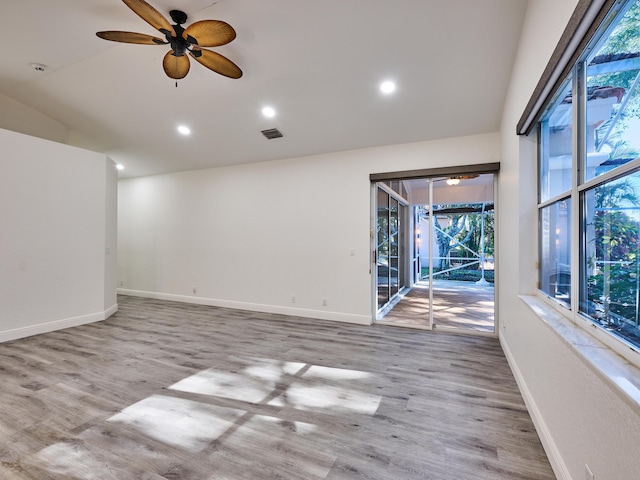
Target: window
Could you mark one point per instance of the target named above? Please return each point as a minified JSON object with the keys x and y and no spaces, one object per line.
{"x":556,"y":141}
{"x":613,"y":97}
{"x":589,"y":181}
{"x":555,"y":251}
{"x":610,"y":261}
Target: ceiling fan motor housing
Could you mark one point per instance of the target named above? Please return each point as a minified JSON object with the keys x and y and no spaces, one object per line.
{"x":178,"y":44}
{"x":178,"y":16}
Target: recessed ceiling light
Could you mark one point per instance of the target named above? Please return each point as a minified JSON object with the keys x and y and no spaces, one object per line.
{"x":184,"y":130}
{"x":119,"y":167}
{"x":268,"y":112}
{"x":387,"y":87}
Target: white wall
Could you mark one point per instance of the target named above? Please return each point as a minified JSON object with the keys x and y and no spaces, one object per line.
{"x":110,"y":237}
{"x":253,"y":236}
{"x":21,"y":118}
{"x":53,"y":235}
{"x":581,"y":419}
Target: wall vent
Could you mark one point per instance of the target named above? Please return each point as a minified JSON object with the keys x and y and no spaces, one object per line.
{"x":272,"y":133}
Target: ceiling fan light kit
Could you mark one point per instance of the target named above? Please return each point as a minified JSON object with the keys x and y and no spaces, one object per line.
{"x":456,"y":180}
{"x":191,"y":40}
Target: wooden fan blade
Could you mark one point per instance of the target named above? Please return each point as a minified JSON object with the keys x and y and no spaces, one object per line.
{"x":216,"y":62}
{"x":131,"y":37}
{"x":210,"y":33}
{"x":151,"y":16}
{"x":175,"y":67}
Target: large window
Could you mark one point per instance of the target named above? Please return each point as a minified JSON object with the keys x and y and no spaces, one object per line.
{"x":555,"y":251}
{"x":610,"y":258}
{"x":589,"y":182}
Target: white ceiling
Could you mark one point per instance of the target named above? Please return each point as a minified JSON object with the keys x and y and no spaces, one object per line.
{"x":318,"y":63}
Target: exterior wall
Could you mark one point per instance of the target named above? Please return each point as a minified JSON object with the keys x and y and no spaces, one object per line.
{"x":254,"y":236}
{"x":53,"y":236}
{"x":579,"y":416}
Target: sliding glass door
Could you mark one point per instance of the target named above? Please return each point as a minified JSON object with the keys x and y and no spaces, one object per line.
{"x":391,"y":214}
{"x":382,"y":248}
{"x":434,"y":260}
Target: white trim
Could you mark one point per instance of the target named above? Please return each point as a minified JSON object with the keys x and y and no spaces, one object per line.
{"x":393,"y":193}
{"x":110,"y":311}
{"x":430,"y":253}
{"x":618,"y":372}
{"x":566,"y":195}
{"x":496,"y":255}
{"x":620,"y":171}
{"x":14,"y":334}
{"x":373,"y":251}
{"x":619,"y":345}
{"x":553,"y":452}
{"x":253,"y":307}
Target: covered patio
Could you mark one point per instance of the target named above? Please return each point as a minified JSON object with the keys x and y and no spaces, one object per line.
{"x":457,"y":305}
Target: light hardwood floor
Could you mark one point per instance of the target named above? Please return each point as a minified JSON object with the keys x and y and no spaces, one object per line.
{"x":164,"y":390}
{"x":456,"y":305}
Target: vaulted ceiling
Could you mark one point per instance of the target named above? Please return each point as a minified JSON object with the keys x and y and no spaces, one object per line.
{"x":317,"y":63}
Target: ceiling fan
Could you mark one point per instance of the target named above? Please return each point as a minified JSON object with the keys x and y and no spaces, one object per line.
{"x":455,"y":180}
{"x":205,"y":33}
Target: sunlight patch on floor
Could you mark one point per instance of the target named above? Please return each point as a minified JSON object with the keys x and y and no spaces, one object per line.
{"x":177,"y":421}
{"x":327,"y":398}
{"x":331,"y":373}
{"x":253,"y":384}
{"x":72,"y":460}
{"x":298,"y":385}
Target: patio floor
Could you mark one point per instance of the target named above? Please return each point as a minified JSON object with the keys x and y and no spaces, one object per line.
{"x":458,"y":305}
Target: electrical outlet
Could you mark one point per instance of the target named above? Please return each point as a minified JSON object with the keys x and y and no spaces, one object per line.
{"x":293,"y":299}
{"x":121,"y":283}
{"x":324,"y":302}
{"x":194,"y":289}
{"x":588,"y":475}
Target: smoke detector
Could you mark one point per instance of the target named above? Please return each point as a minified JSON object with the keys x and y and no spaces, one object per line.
{"x":39,"y":67}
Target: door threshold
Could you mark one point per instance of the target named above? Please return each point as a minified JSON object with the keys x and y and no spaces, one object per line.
{"x":414,"y":326}
{"x":464,"y":331}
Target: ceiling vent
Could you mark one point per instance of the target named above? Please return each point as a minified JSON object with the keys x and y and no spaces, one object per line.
{"x":272,"y":133}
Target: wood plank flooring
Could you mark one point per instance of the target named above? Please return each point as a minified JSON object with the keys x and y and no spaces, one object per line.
{"x":456,"y":305}
{"x":172,"y":391}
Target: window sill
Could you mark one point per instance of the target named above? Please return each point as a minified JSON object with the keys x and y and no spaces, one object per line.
{"x":623,"y":376}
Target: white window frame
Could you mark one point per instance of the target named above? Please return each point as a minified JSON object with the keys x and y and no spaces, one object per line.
{"x":619,"y":345}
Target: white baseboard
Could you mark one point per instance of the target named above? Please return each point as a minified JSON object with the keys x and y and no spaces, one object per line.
{"x":550,"y":447}
{"x":110,"y":311}
{"x":46,"y":327}
{"x":253,"y":307}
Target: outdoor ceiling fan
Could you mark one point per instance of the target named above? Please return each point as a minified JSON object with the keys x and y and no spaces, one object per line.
{"x":205,"y":33}
{"x":455,"y":179}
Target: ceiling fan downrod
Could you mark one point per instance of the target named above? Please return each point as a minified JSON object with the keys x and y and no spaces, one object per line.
{"x":180,"y":44}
